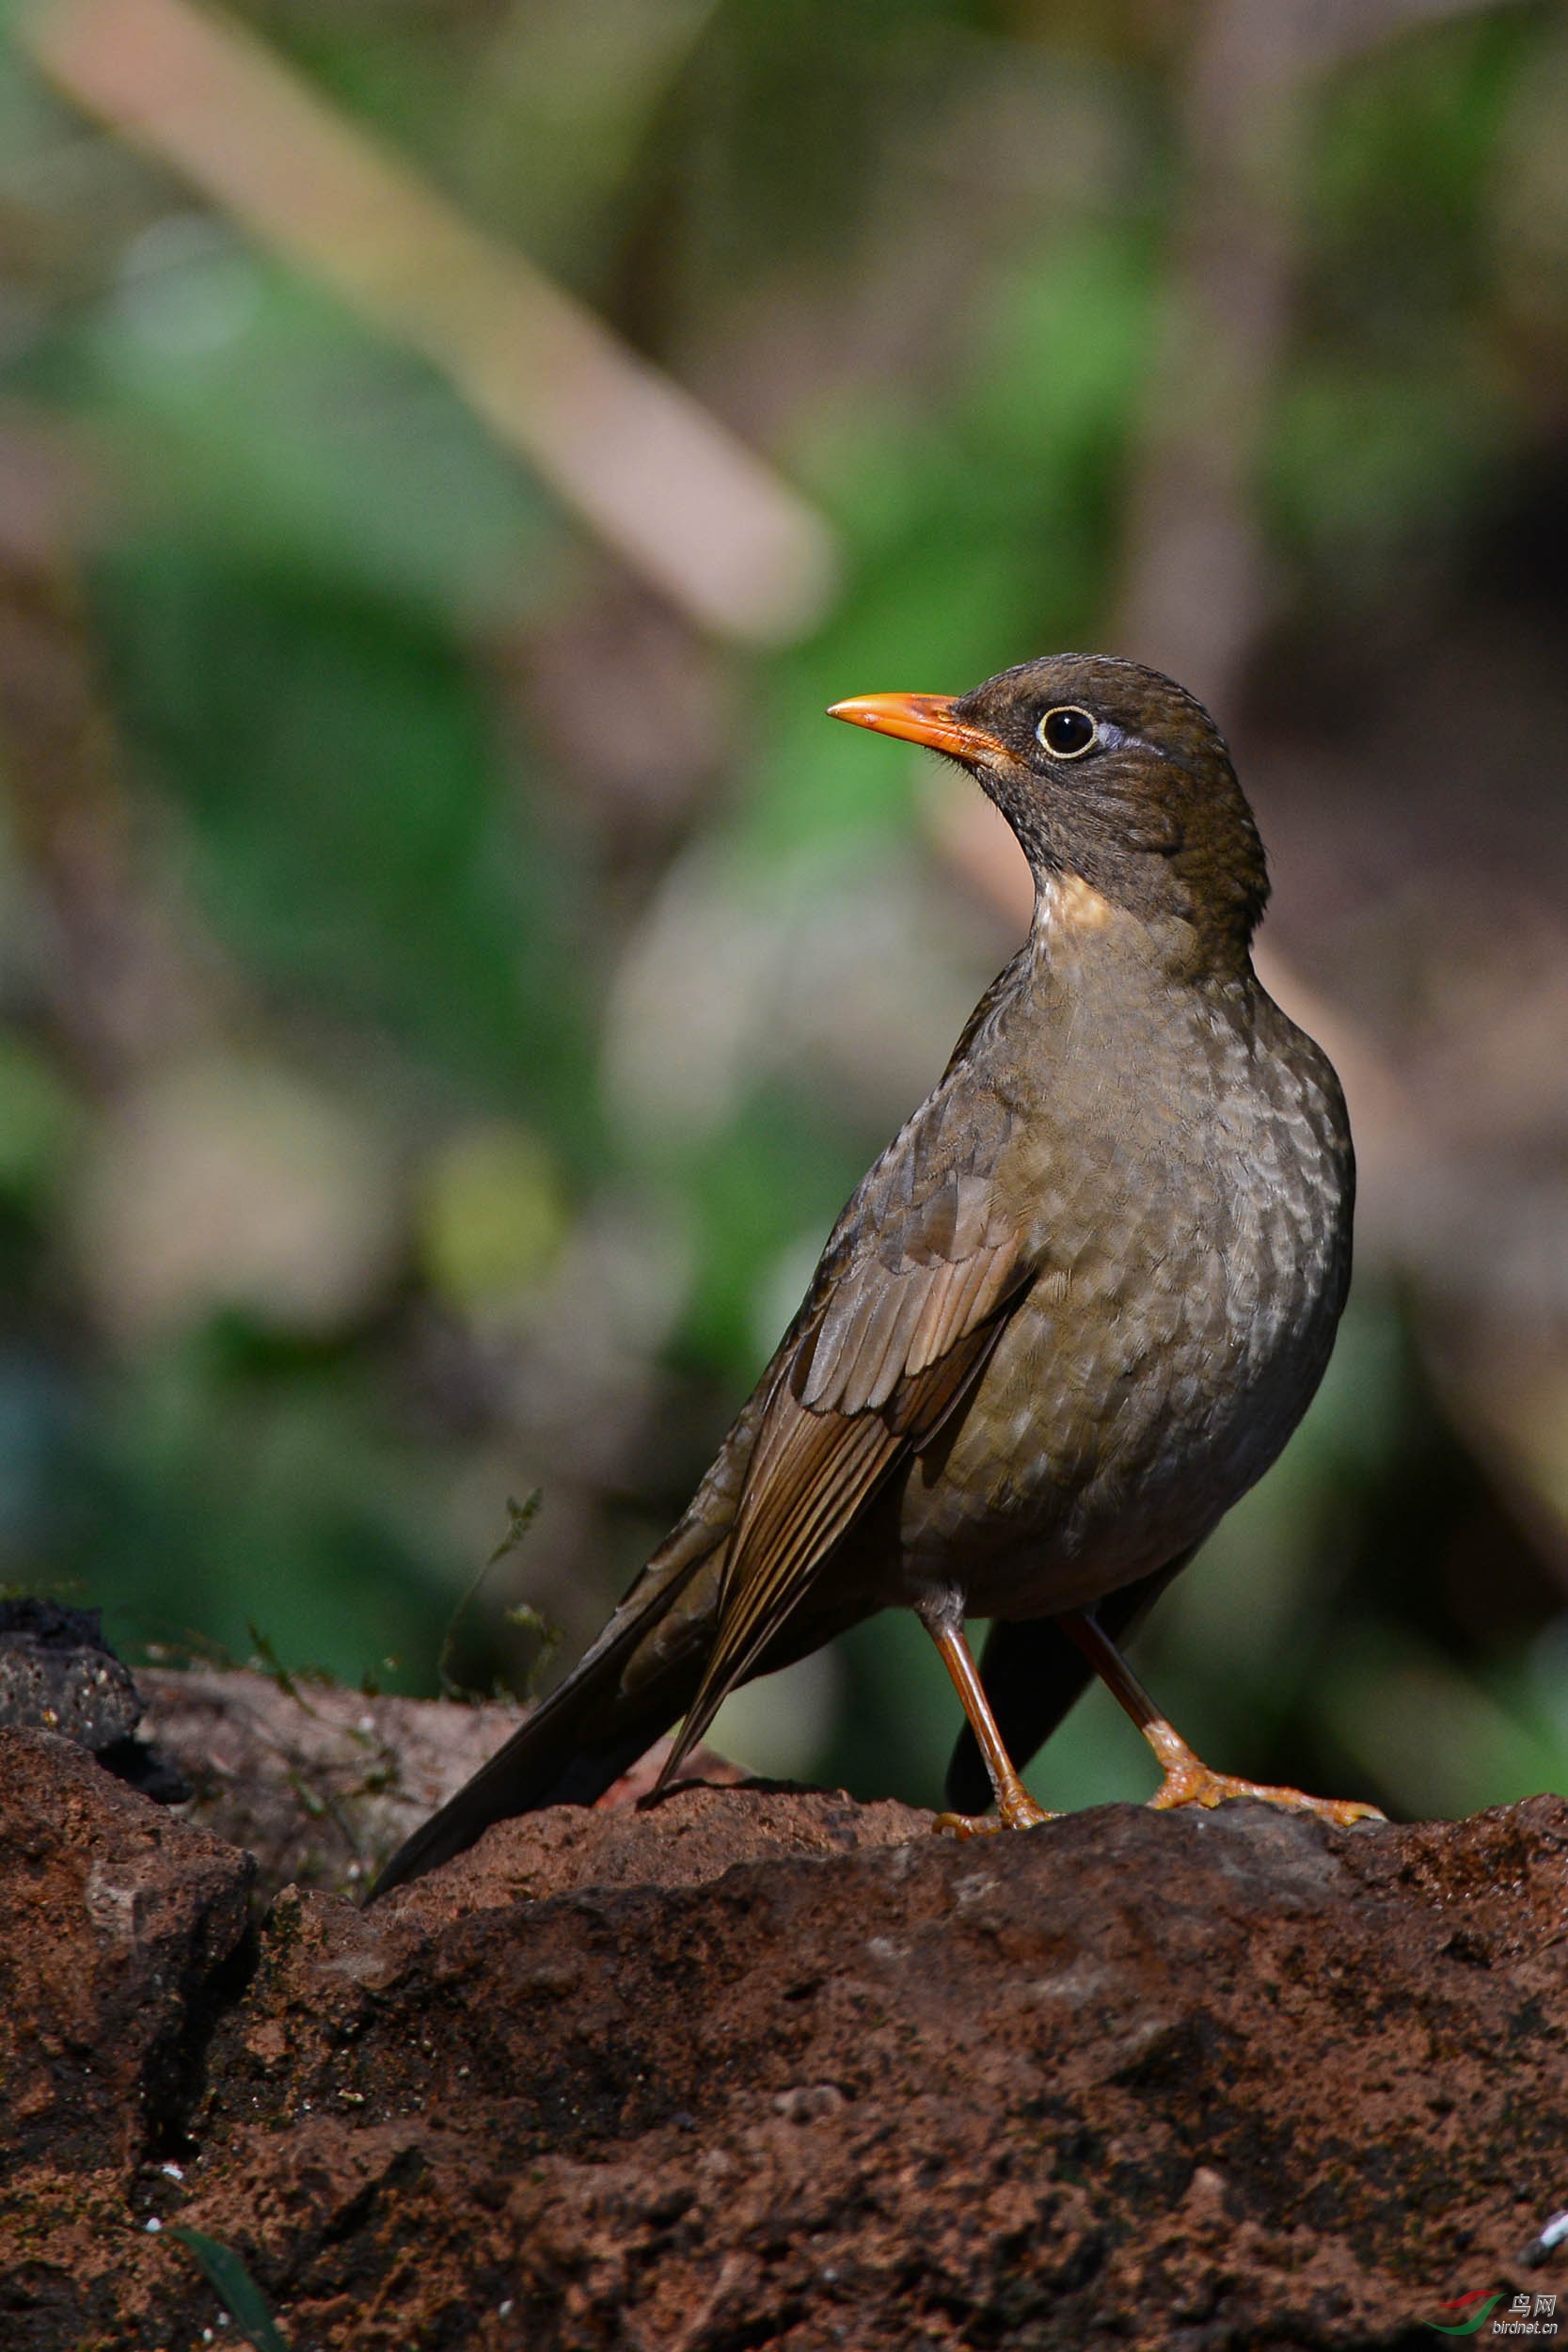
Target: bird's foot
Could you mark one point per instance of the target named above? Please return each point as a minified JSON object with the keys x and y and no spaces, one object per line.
{"x":1190,"y":1782}
{"x":1016,"y":1809}
{"x":965,"y":1825}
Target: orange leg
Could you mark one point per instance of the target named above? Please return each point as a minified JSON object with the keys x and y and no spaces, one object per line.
{"x":1188,"y":1780}
{"x":1015,"y":1807}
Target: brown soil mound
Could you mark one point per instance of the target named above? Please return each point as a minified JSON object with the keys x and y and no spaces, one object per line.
{"x":763,"y":2067}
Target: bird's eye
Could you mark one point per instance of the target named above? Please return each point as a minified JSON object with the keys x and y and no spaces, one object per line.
{"x":1066,"y":732}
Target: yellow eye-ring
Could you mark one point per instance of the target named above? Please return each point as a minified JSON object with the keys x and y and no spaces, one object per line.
{"x":1067,"y":732}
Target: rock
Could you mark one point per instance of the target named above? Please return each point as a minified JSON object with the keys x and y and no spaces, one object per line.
{"x":702,"y":1834}
{"x":1236,"y":2075}
{"x":322,"y":1783}
{"x":58,"y":1674}
{"x":763,"y":2067}
{"x":115,"y":1917}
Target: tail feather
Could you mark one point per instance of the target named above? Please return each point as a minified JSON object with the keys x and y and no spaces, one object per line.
{"x":640,"y":1675}
{"x":606,"y":1714}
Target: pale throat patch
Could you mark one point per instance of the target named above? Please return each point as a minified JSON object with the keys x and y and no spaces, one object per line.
{"x":1067,"y":903}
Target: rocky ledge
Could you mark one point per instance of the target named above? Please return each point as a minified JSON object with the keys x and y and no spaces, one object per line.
{"x":764,"y":2067}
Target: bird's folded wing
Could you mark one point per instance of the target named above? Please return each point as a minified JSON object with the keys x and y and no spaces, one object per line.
{"x":908,"y":1303}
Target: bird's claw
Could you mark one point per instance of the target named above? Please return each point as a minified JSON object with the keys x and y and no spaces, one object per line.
{"x":1019,"y":1811}
{"x":1194,"y":1783}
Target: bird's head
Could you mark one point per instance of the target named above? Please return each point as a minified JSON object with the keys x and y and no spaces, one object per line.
{"x":1109,"y":774}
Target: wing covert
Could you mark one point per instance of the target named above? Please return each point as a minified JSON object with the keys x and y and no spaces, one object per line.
{"x":907,"y":1303}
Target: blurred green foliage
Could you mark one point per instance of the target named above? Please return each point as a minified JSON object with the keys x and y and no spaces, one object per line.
{"x":390,"y":771}
{"x":352,"y":838}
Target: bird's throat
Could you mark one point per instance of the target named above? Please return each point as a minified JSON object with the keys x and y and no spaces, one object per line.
{"x":1078,"y":928}
{"x":1066,"y":904}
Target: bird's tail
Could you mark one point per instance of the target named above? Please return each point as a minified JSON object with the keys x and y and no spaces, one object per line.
{"x":640,"y":1676}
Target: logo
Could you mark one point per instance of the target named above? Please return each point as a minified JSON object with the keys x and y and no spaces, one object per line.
{"x":1525,"y":2316}
{"x":1471,"y":2324}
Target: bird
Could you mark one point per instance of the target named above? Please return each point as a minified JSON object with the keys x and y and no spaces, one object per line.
{"x":1064,"y":1323}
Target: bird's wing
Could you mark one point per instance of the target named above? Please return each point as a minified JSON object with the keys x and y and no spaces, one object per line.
{"x":907,"y":1304}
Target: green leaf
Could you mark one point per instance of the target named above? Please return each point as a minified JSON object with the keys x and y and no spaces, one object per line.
{"x":236,"y":2289}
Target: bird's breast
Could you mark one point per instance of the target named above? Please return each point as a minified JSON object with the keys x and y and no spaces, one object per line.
{"x":1189,"y":1228}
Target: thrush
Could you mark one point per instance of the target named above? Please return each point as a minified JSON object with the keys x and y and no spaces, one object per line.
{"x":1067,"y":1318}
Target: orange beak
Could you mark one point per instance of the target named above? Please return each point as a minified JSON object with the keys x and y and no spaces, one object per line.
{"x":921,"y":719}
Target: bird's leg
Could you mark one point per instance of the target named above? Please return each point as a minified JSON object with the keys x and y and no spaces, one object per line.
{"x":1015,"y":1807}
{"x":1188,"y":1780}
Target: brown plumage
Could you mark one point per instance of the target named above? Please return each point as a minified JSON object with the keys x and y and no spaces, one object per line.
{"x":1069,"y":1315}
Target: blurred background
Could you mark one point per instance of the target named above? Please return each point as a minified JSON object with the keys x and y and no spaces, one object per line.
{"x":451,"y":974}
